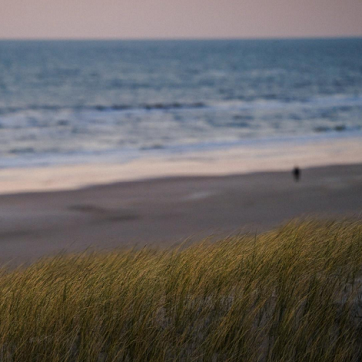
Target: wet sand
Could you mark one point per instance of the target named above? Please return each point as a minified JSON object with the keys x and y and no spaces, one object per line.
{"x":255,"y":156}
{"x":168,"y":210}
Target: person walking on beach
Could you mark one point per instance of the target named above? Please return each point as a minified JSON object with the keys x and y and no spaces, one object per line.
{"x":296,"y":173}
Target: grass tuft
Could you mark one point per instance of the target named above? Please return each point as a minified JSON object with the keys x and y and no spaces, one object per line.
{"x":294,"y":294}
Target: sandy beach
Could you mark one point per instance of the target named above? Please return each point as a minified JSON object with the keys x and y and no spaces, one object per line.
{"x":255,"y":156}
{"x":166,"y":211}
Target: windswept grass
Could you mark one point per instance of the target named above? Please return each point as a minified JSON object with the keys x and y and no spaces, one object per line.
{"x":289,"y":295}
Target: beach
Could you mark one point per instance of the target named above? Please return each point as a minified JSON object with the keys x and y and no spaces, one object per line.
{"x":170,"y":210}
{"x":112,"y":144}
{"x":165,"y":200}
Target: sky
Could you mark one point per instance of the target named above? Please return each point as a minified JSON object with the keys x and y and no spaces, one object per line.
{"x":169,"y":19}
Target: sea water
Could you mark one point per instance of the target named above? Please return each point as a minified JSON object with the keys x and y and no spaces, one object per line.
{"x":78,"y":102}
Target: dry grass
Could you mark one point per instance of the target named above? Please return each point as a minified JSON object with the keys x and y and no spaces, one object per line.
{"x":289,"y":295}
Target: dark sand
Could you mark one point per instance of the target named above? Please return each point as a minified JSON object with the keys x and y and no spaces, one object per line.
{"x":166,"y":211}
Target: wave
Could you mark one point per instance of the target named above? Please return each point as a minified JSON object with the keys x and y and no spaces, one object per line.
{"x":21,"y":150}
{"x":102,"y":108}
{"x":336,"y":128}
{"x":152,"y":106}
{"x":340,"y":101}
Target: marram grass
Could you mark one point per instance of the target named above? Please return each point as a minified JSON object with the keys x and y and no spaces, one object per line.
{"x":293,"y":294}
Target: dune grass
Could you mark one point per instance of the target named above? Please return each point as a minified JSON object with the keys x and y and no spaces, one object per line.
{"x":293,"y":294}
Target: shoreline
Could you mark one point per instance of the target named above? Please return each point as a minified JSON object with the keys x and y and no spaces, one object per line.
{"x":165,"y":211}
{"x":238,"y":160}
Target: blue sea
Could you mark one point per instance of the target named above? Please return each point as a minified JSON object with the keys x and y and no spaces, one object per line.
{"x":76,"y":102}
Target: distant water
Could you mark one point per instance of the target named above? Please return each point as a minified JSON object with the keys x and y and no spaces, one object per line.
{"x":84,"y":101}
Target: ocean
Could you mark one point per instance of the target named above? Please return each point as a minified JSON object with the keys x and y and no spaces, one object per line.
{"x":80,"y":102}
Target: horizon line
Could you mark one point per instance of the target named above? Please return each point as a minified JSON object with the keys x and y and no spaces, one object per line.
{"x":316,"y":37}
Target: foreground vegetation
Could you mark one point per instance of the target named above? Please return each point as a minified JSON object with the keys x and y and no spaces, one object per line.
{"x":289,"y":295}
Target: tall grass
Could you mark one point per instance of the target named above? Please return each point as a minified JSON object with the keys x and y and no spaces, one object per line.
{"x":293,"y":294}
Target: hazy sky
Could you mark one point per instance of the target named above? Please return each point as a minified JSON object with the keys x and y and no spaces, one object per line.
{"x":179,"y":18}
